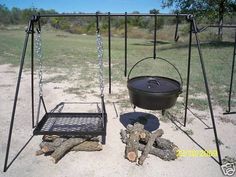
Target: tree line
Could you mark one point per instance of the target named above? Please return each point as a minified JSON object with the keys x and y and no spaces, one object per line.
{"x":206,"y":11}
{"x":17,"y":16}
{"x":216,"y":11}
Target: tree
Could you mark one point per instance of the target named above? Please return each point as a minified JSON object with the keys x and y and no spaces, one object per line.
{"x":154,"y":11}
{"x":15,"y":15}
{"x":4,"y":14}
{"x":135,"y":21}
{"x":160,"y":20}
{"x":214,"y":9}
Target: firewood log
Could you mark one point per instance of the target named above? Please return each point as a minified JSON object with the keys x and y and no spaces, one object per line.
{"x":48,"y":147}
{"x":161,"y":148}
{"x":131,"y":149}
{"x":65,"y":147}
{"x":85,"y":146}
{"x":88,"y":146}
{"x":148,"y":147}
{"x":39,"y":152}
{"x":123,"y":135}
{"x":164,"y":144}
{"x":166,"y":155}
{"x":50,"y":138}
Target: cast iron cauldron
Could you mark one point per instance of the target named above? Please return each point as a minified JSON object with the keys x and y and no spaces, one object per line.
{"x":154,"y":92}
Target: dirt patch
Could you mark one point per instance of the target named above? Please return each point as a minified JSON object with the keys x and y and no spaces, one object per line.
{"x":110,"y":161}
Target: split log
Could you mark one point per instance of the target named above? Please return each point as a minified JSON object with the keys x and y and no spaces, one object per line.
{"x":50,"y":138}
{"x":143,"y":138}
{"x":161,"y":148}
{"x":57,"y":146}
{"x":163,"y":143}
{"x":131,"y":149}
{"x":145,"y":135}
{"x":52,"y":142}
{"x":137,"y":127}
{"x":131,"y":152}
{"x":123,"y":135}
{"x":48,"y":147}
{"x":148,"y":147}
{"x":39,"y":152}
{"x":88,"y":146}
{"x":159,"y":142}
{"x":85,"y":146}
{"x":65,"y":147}
{"x":166,"y":155}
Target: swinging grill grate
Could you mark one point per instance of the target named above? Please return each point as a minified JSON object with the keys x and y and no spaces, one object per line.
{"x":72,"y":124}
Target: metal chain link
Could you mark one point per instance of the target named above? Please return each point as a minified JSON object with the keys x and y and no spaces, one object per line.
{"x":100,"y":60}
{"x":38,"y":47}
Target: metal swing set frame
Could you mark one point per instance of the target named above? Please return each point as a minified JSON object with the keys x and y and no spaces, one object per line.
{"x":35,"y":20}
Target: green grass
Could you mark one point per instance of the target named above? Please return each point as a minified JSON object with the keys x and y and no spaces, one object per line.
{"x":199,"y":104}
{"x":55,"y":79}
{"x":77,"y":55}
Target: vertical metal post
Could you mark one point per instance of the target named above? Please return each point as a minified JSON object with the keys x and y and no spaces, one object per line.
{"x":97,"y":25}
{"x":126,"y":30}
{"x":38,"y":113}
{"x":155,"y":37}
{"x":16,"y":95}
{"x":44,"y":105}
{"x":207,"y":91}
{"x":232,"y":76}
{"x":32,"y":71}
{"x":109,"y":49}
{"x":188,"y":72}
{"x":104,"y":116}
{"x":176,"y":38}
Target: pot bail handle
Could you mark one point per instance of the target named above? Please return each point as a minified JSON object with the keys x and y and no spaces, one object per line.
{"x":181,"y":79}
{"x":176,"y":69}
{"x":137,"y":64}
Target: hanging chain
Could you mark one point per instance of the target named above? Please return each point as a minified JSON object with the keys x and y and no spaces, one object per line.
{"x":100,"y":61}
{"x":38,"y":46}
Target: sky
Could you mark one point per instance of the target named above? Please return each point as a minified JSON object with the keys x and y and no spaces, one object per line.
{"x":89,"y":6}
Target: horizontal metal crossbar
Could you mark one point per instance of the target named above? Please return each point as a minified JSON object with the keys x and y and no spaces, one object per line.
{"x":223,"y":26}
{"x":111,"y":14}
{"x":225,"y":113}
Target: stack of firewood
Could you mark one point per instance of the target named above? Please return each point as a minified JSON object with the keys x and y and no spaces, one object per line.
{"x":57,"y":146}
{"x":137,"y":138}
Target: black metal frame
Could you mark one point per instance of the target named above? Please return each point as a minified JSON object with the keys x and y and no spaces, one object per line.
{"x":231,"y":80}
{"x":36,"y":19}
{"x":194,"y":30}
{"x":228,"y":111}
{"x":39,"y":129}
{"x":38,"y":125}
{"x":28,"y":31}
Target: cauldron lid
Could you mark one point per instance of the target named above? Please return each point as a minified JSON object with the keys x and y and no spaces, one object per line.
{"x":154,"y":84}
